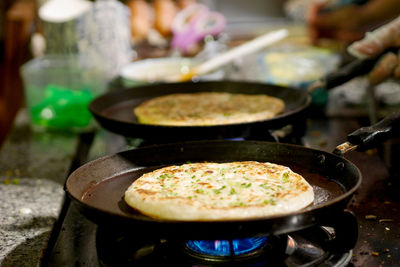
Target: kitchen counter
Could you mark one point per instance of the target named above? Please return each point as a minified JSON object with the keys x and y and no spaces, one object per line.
{"x":32,"y":169}
{"x":34,"y":166}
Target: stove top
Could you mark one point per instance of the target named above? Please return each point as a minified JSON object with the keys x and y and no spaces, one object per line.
{"x":302,"y":248}
{"x":79,"y":241}
{"x":82,"y":243}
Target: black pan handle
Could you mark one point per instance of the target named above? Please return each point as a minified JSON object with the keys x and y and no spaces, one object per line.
{"x":368,"y":137}
{"x":346,"y":73}
{"x":356,"y":67}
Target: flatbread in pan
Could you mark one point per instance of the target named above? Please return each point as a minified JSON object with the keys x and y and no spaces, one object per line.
{"x":114,"y":111}
{"x":208,"y":108}
{"x":219,"y":191}
{"x":98,"y":187}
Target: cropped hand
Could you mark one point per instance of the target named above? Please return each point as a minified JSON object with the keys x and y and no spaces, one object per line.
{"x":375,"y":43}
{"x":344,"y":24}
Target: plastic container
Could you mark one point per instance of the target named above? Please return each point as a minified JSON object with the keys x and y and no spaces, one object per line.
{"x":58,"y":90}
{"x":296,"y":66}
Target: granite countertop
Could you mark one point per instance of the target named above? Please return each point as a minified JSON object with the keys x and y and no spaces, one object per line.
{"x":32,"y":172}
{"x":28,"y":210}
{"x":33,"y":167}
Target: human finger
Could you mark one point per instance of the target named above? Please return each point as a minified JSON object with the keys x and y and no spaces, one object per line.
{"x":396,"y":72}
{"x":313,"y":21}
{"x":384,"y":68}
{"x":375,"y":42}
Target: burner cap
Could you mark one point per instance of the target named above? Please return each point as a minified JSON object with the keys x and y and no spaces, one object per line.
{"x":226,"y":248}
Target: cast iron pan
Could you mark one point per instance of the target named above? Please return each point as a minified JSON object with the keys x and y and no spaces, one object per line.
{"x":98,"y":187}
{"x":114,"y":111}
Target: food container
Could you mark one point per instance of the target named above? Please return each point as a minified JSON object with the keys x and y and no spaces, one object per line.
{"x":58,"y":89}
{"x":159,"y":69}
{"x":296,"y":66}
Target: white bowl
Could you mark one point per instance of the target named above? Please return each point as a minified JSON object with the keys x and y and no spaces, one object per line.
{"x":157,"y":69}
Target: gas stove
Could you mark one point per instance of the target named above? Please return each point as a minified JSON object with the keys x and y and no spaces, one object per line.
{"x":301,"y":248}
{"x":75,"y":241}
{"x":83,"y":243}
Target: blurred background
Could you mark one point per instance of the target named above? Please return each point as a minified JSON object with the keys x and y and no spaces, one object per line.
{"x":48,"y":47}
{"x":24,"y":25}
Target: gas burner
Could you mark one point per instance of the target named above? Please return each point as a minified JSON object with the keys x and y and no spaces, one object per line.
{"x":240,"y":251}
{"x":220,"y":249}
{"x":302,"y":248}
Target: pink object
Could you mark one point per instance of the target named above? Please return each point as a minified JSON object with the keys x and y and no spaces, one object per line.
{"x":193,"y":23}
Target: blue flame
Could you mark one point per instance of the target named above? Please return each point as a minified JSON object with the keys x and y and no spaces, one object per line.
{"x":223,"y":248}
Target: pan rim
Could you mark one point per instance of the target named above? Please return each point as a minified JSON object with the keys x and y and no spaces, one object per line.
{"x":306,"y":210}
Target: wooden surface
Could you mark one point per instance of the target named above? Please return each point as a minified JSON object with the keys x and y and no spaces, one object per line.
{"x":19,"y":24}
{"x":10,"y":98}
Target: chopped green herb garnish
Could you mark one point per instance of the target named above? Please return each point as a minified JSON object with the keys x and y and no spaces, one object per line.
{"x":270,"y":201}
{"x":164,"y":176}
{"x":199,"y":191}
{"x":218,"y":191}
{"x":244,"y":185}
{"x":236,"y":204}
{"x":285,"y":177}
{"x":265,"y":186}
{"x":232,"y":192}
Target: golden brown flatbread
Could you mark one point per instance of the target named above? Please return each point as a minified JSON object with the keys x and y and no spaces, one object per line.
{"x":208,"y":108}
{"x":219,"y":191}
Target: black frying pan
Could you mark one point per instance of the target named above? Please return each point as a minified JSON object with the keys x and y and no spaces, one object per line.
{"x":114,"y":111}
{"x":98,"y":186}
